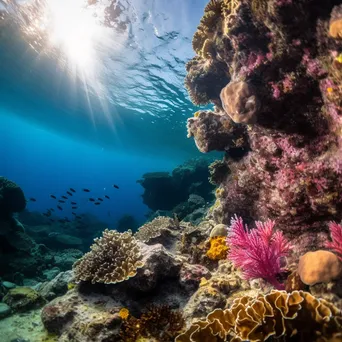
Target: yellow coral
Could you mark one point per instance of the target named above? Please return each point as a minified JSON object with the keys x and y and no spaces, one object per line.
{"x":218,"y":248}
{"x":124,"y":313}
{"x":71,"y":286}
{"x":339,"y":58}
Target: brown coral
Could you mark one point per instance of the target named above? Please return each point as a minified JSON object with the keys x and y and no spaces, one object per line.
{"x":153,"y":229}
{"x":113,"y":258}
{"x":335,"y":27}
{"x":159,"y":322}
{"x":277,"y":315}
{"x":319,"y":267}
{"x":240,"y":102}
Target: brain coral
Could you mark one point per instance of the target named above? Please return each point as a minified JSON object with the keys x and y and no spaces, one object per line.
{"x":277,"y":315}
{"x":12,"y":198}
{"x":113,"y":258}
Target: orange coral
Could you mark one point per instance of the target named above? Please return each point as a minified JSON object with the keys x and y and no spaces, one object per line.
{"x":124,"y":313}
{"x":218,"y":248}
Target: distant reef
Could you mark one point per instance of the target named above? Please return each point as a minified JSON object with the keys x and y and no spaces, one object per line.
{"x":182,"y":192}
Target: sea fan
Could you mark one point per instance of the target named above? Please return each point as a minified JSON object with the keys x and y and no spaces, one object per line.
{"x":336,"y":237}
{"x":258,"y":252}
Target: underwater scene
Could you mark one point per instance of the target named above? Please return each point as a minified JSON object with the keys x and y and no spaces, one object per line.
{"x":170,"y":170}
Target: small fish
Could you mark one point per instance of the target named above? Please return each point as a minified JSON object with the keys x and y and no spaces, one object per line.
{"x":59,"y":207}
{"x":100,"y":199}
{"x":86,"y":190}
{"x":73,"y":207}
{"x":53,"y":196}
{"x":52,"y":220}
{"x":72,"y":190}
{"x":116,"y":186}
{"x":91,"y":199}
{"x":51,"y":209}
{"x":97,"y":203}
{"x":109,"y":213}
{"x":33,"y":199}
{"x":60,"y":201}
{"x":73,"y":203}
{"x":69,"y":193}
{"x":61,"y":221}
{"x":107,"y":197}
{"x":74,"y":214}
{"x":79,"y":217}
{"x":45,"y":214}
{"x":64,"y":197}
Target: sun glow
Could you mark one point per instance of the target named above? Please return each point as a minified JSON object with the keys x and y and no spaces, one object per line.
{"x":72,"y":29}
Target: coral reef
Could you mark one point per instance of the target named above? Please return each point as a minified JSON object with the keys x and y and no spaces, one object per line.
{"x":113,"y":258}
{"x":275,"y":84}
{"x":12,"y":198}
{"x":163,"y":191}
{"x":277,"y":314}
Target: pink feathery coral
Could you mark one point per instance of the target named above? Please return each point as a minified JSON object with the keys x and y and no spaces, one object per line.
{"x":257,"y":252}
{"x":336,"y":237}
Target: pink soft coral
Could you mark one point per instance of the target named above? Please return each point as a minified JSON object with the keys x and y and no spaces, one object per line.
{"x":336,"y":236}
{"x":257,"y":252}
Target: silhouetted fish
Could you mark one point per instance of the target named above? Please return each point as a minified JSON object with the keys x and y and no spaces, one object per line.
{"x":100,"y":199}
{"x":52,"y":220}
{"x":69,"y":193}
{"x":74,"y":214}
{"x":107,"y":196}
{"x":60,"y":201}
{"x":91,"y":199}
{"x":108,"y":213}
{"x":97,"y":203}
{"x":73,"y":207}
{"x":60,"y":208}
{"x":53,"y":196}
{"x":51,"y":209}
{"x":73,"y":190}
{"x":33,"y":199}
{"x":86,"y":190}
{"x":79,"y":217}
{"x":64,"y":197}
{"x":116,"y":186}
{"x":73,"y":203}
{"x":45,"y":214}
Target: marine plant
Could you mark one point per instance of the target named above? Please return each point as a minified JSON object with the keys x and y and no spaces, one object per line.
{"x":336,"y":237}
{"x":258,"y":252}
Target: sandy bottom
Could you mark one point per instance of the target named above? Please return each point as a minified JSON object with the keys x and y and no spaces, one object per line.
{"x":24,"y":327}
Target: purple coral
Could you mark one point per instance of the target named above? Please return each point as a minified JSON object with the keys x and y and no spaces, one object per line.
{"x":257,"y":252}
{"x":336,"y":237}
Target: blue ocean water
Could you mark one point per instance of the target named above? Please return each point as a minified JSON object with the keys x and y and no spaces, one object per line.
{"x":66,"y":125}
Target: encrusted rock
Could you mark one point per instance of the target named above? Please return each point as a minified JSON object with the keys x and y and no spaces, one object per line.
{"x":319,"y":267}
{"x":158,"y":264}
{"x":5,"y":310}
{"x":191,"y":275}
{"x":23,"y":299}
{"x":57,"y":286}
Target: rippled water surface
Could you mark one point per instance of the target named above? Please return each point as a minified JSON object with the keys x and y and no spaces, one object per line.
{"x":122,"y":70}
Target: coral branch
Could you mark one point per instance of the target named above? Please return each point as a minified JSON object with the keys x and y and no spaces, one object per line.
{"x":336,"y":236}
{"x":257,"y":252}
